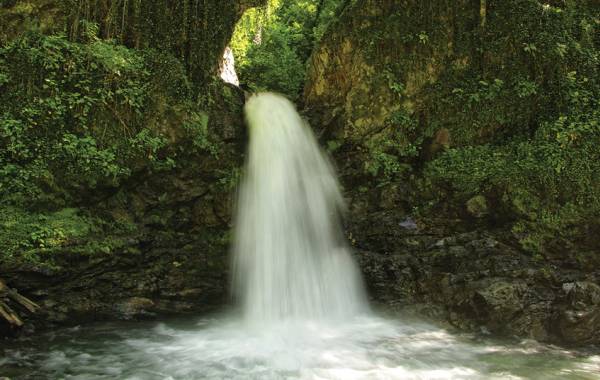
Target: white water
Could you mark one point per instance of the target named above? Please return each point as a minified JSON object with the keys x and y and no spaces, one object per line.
{"x":291,"y":260}
{"x":304,"y":310}
{"x":365,"y":348}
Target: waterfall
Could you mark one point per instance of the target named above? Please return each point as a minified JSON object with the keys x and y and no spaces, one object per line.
{"x":228,"y":73}
{"x":291,"y":259}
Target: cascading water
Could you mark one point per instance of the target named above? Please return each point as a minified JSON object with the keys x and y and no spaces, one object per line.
{"x":291,"y":260}
{"x":305,"y":314}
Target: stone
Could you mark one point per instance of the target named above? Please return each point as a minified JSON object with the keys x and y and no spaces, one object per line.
{"x":500,"y":300}
{"x":579,"y":320}
{"x":578,"y":326}
{"x":475,"y":281}
{"x":409,"y":224}
{"x":583,"y":292}
{"x":134,"y":307}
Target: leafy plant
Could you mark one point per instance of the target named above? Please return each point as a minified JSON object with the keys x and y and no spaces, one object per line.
{"x":549,"y":183}
{"x":72,"y":117}
{"x":272,"y":44}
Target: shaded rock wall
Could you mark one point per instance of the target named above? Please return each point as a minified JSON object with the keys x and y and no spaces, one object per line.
{"x":380,"y":56}
{"x":17,"y":16}
{"x":385,"y":84}
{"x":475,"y":280}
{"x":174,"y":258}
{"x":397,"y":68}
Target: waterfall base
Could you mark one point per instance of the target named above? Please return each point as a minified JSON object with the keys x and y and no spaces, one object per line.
{"x":360,"y":348}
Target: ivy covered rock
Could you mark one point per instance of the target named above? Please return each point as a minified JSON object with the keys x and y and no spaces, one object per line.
{"x":119,"y":152}
{"x":470,"y":118}
{"x":459,"y":99}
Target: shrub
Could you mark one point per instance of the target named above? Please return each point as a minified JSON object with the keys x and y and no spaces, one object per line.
{"x":72,"y":117}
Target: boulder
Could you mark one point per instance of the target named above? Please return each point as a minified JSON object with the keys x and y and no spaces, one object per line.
{"x":134,"y":307}
{"x":578,"y":320}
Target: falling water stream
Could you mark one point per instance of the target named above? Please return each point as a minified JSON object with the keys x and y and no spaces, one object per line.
{"x":302,"y":308}
{"x":291,"y":261}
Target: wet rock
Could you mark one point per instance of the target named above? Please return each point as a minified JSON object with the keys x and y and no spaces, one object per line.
{"x":389,"y":196}
{"x":579,"y":326}
{"x":498,"y":302}
{"x":134,"y":307}
{"x":581,"y":294}
{"x":203,"y":210}
{"x":579,"y":319}
{"x":475,"y":281}
{"x":409,"y":224}
{"x":175,"y":307}
{"x":189,"y":294}
{"x":54,"y":311}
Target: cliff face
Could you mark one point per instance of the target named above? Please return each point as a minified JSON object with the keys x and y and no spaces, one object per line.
{"x":434,"y":112}
{"x":383,"y":62}
{"x":116,"y":195}
{"x":378,"y":58}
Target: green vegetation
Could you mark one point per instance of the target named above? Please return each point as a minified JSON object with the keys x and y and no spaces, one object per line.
{"x":78,"y":120}
{"x":272,"y":44}
{"x":538,"y":117}
{"x":72,"y":118}
{"x":109,"y":96}
{"x":519,"y":99}
{"x":36,"y":237}
{"x":390,"y":154}
{"x":549,"y":184}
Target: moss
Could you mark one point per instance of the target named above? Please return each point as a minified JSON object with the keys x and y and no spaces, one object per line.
{"x":459,"y":101}
{"x":112,"y":121}
{"x":34,"y":237}
{"x":16,"y":16}
{"x":477,"y":206}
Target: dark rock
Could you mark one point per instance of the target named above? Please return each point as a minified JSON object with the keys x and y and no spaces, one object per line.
{"x":474,"y":281}
{"x":578,"y":320}
{"x":579,"y":326}
{"x":409,"y":224}
{"x":134,"y":307}
{"x":496,"y":302}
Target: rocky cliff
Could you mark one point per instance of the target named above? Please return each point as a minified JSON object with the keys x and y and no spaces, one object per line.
{"x":433,"y":111}
{"x":120,"y":204}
